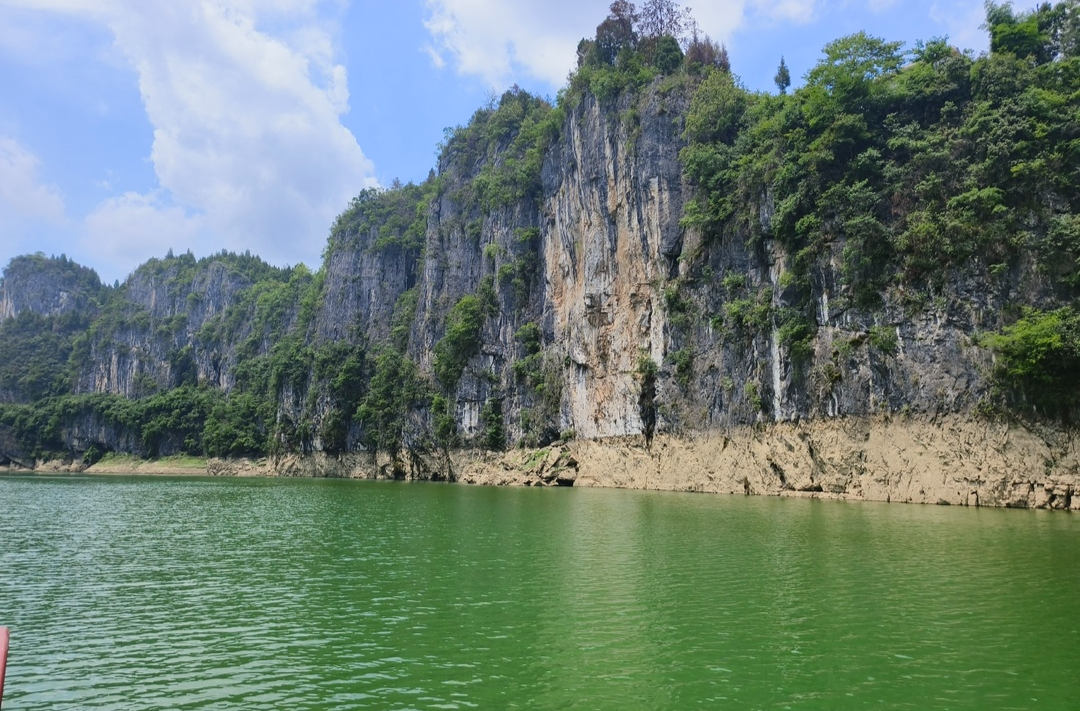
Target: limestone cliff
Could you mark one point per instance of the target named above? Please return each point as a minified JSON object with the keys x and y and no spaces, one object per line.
{"x":46,"y":287}
{"x":604,"y":322}
{"x":172,"y":322}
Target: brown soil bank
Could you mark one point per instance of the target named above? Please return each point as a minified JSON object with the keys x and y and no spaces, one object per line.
{"x":950,"y":460}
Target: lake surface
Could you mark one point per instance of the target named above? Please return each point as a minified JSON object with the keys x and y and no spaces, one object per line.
{"x":156,"y":593}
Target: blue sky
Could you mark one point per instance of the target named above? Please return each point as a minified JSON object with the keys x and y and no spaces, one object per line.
{"x":131,"y":127}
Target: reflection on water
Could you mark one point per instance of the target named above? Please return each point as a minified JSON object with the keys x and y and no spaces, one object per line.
{"x":205,"y":594}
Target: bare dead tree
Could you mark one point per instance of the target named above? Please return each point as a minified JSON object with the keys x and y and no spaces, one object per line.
{"x":664,"y":17}
{"x":703,"y":51}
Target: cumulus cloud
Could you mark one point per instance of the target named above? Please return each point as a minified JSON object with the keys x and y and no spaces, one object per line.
{"x":125,"y":231}
{"x":499,"y":41}
{"x":246,"y":126}
{"x":247,"y":129}
{"x":962,"y":21}
{"x":21,"y":193}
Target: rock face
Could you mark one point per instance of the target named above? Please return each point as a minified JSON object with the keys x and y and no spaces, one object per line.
{"x":611,"y":236}
{"x":647,"y":347}
{"x":46,"y":287}
{"x":951,"y":461}
{"x":621,"y":282}
{"x":361,"y":288}
{"x":164,"y":314}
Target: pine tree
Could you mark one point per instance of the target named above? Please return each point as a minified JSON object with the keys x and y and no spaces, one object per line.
{"x":783,"y":77}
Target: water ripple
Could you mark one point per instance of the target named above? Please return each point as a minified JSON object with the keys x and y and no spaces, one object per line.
{"x":148,"y":594}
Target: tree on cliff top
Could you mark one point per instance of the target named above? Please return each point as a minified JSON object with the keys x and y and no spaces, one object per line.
{"x":660,"y":18}
{"x":1045,"y":34}
{"x":627,"y":30}
{"x":703,"y":51}
{"x":783,"y":77}
{"x":617,"y":32}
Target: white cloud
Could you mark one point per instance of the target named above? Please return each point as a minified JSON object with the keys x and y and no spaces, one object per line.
{"x":125,"y":231}
{"x":962,"y":21}
{"x":499,"y":41}
{"x":247,"y":129}
{"x":437,"y":60}
{"x":795,"y":11}
{"x":20,"y":191}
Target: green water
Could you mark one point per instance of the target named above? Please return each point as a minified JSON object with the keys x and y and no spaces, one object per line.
{"x":128,"y":593}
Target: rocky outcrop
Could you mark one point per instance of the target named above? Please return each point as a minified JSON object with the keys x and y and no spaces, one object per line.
{"x":361,"y":288}
{"x":951,"y":460}
{"x":164,"y":312}
{"x":623,"y":285}
{"x":46,"y":287}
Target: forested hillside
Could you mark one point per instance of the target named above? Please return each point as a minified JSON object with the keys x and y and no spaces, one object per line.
{"x":660,"y":251}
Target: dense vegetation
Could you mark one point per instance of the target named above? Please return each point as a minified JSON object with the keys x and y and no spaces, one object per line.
{"x":922,"y":160}
{"x":503,"y":148}
{"x":34,"y":352}
{"x":633,"y":47}
{"x":904,"y":167}
{"x":914,"y":165}
{"x":397,"y":217}
{"x":1038,"y":361}
{"x":44,"y":373}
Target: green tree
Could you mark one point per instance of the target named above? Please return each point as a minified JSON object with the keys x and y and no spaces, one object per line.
{"x":1020,"y":35}
{"x":1039,"y":359}
{"x":616,"y":32}
{"x":667,"y":55}
{"x":782,"y":77}
{"x":850,"y":70}
{"x":461,"y":340}
{"x":494,"y":436}
{"x":396,"y":389}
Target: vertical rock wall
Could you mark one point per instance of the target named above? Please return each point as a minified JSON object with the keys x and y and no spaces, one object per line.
{"x":617,"y":288}
{"x":611,"y":240}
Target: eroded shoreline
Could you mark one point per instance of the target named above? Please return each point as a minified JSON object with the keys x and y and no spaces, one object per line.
{"x":952,"y":460}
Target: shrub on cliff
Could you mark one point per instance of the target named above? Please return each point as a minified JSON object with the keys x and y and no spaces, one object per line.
{"x":393,"y":218}
{"x":396,"y":388}
{"x":1038,"y":360}
{"x":461,"y":340}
